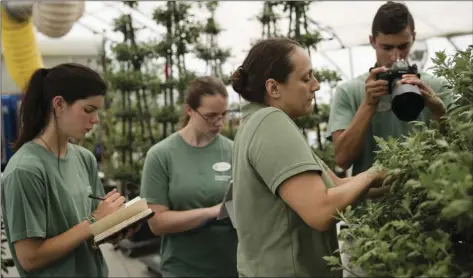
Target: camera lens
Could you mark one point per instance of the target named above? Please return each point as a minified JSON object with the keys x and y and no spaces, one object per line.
{"x":407,"y":102}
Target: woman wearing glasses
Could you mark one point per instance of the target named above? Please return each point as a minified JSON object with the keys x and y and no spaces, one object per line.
{"x":184,"y":179}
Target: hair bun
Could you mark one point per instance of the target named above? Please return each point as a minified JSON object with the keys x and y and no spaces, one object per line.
{"x":239,"y":79}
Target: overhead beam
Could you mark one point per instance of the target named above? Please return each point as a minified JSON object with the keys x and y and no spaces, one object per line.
{"x":94,"y":31}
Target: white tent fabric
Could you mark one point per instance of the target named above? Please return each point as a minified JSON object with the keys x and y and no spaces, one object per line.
{"x":349,"y":20}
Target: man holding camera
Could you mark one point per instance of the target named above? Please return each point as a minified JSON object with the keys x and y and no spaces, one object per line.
{"x":371,"y":105}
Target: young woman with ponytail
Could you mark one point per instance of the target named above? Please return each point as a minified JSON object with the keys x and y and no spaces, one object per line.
{"x":45,"y":186}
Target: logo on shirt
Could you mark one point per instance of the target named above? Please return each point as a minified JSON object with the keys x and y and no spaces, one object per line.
{"x":89,"y":189}
{"x":225,"y":178}
{"x":222,"y":166}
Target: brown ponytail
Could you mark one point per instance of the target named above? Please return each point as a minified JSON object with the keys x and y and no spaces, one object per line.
{"x":70,"y":81}
{"x":34,"y":109}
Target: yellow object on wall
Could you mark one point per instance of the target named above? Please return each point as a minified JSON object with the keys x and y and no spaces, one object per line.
{"x":20,"y":50}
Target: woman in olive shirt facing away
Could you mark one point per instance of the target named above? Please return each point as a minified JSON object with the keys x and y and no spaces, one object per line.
{"x":184,"y":179}
{"x":285,"y":197}
{"x":46,"y":183}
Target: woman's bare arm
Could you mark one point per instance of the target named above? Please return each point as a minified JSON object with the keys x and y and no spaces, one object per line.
{"x":35,"y":253}
{"x":316,"y":205}
{"x":168,"y":221}
{"x":337,"y":180}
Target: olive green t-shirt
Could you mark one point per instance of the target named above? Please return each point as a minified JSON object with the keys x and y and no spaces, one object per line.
{"x":273,"y":239}
{"x":348,"y":98}
{"x":183,"y":177}
{"x":39,"y":201}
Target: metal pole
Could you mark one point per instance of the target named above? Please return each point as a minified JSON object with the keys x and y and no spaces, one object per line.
{"x":350,"y":59}
{"x":324,"y":54}
{"x":449,"y":39}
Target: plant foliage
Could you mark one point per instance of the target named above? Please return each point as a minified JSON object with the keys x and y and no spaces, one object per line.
{"x":207,"y":48}
{"x":129,"y":127}
{"x":424,"y":226}
{"x":6,"y":262}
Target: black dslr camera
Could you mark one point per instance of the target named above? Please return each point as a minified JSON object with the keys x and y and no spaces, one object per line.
{"x":407,"y":101}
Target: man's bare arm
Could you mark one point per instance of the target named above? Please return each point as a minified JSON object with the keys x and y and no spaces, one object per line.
{"x":348,"y":143}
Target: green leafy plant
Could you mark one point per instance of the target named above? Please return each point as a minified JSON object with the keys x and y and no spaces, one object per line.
{"x":207,"y":48}
{"x":6,"y":262}
{"x":424,"y":226}
{"x":129,"y":127}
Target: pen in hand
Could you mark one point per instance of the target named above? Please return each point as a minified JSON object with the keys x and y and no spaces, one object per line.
{"x":96,"y":197}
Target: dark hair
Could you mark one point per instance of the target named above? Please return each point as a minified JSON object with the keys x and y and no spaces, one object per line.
{"x":392,"y":18}
{"x":269,"y":58}
{"x":70,"y":81}
{"x":199,"y":87}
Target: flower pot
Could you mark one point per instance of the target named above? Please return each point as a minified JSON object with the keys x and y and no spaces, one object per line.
{"x":348,"y":271}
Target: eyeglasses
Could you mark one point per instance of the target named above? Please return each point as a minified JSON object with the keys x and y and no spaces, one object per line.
{"x":213,"y":119}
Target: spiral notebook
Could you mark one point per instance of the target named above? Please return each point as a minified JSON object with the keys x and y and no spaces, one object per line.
{"x":132,"y":213}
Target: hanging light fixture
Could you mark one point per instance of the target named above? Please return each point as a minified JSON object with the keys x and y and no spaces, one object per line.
{"x":55,"y":19}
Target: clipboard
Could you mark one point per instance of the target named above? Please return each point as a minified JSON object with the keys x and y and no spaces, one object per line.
{"x":227,"y":210}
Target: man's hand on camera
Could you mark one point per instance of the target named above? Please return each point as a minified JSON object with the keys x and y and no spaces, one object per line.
{"x":375,"y":89}
{"x":432,"y":101}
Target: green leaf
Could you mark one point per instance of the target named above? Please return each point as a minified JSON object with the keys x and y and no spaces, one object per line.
{"x":457,"y":208}
{"x":441,"y":143}
{"x":332,"y":260}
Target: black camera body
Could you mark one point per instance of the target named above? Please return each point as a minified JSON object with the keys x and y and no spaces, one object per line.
{"x":406,"y":99}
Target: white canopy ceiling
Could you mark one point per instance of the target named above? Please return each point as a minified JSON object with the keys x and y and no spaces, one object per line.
{"x":350,"y":21}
